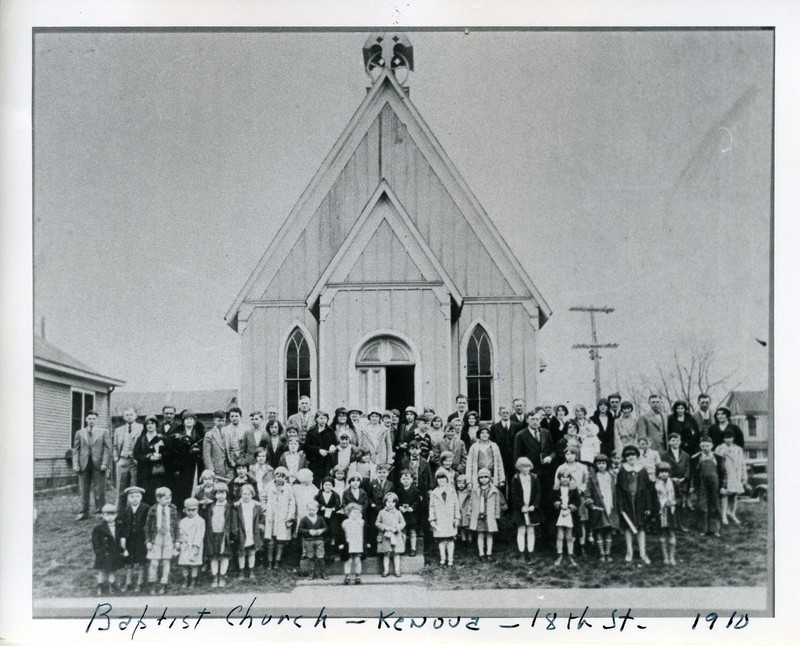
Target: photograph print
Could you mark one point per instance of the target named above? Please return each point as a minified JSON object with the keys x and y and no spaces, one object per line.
{"x":442,"y":321}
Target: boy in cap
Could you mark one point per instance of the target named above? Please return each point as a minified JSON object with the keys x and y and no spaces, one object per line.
{"x":161,"y":530}
{"x":192,"y":531}
{"x":709,"y":480}
{"x":133,"y":541}
{"x":107,"y":550}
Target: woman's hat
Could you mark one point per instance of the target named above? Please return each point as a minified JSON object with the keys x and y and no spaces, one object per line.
{"x":600,"y":457}
{"x":630,"y":450}
{"x":355,"y":410}
{"x":282,"y":470}
{"x":441,"y":473}
{"x":187,"y":413}
{"x":327,"y":479}
{"x":151,"y":418}
{"x":411,"y":409}
{"x":375,"y":411}
{"x":340,"y":411}
{"x":355,"y":476}
{"x":134,"y":490}
{"x":305,"y":475}
{"x":484,"y":472}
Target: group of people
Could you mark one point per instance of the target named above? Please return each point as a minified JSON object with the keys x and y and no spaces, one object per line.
{"x":358,"y":485}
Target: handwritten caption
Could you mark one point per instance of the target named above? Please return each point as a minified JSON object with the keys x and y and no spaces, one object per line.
{"x":247,"y":618}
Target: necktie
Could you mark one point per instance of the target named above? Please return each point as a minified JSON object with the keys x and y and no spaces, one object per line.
{"x":129,"y":428}
{"x":162,"y":522}
{"x":444,"y":496}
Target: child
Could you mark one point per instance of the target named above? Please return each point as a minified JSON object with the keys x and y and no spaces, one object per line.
{"x":485,"y":454}
{"x":590,"y":444}
{"x":616,"y":462}
{"x":312,"y":531}
{"x":293,"y":459}
{"x":422,"y":437}
{"x":344,"y":452}
{"x":249,"y":527}
{"x":446,"y":460}
{"x":355,"y":493}
{"x":452,"y":443}
{"x":304,"y":493}
{"x":464,"y":508}
{"x":635,"y":501}
{"x":107,"y":550}
{"x":708,"y":481}
{"x":204,"y":492}
{"x":242,"y":478}
{"x":603,"y":519}
{"x":648,"y":458}
{"x":580,"y":478}
{"x":444,"y":513}
{"x":329,"y":505}
{"x":192,"y":532}
{"x":566,"y":501}
{"x":339,"y":475}
{"x":679,"y":460}
{"x":665,"y":519}
{"x":363,"y":468}
{"x":420,"y":471}
{"x":735,"y":472}
{"x":378,"y":488}
{"x":261,"y":472}
{"x":410,"y":502}
{"x":161,"y":530}
{"x":132,"y":537}
{"x":279,"y":515}
{"x":525,"y":496}
{"x":391,"y":538}
{"x":219,"y":527}
{"x":569,"y":441}
{"x":352,"y":542}
{"x":485,"y":510}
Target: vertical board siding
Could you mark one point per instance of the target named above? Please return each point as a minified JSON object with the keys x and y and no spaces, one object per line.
{"x":384,"y":259}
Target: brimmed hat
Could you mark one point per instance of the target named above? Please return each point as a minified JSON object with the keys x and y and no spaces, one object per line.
{"x":411,"y":409}
{"x":374,"y":411}
{"x":340,"y":411}
{"x":282,"y":471}
{"x":188,"y":413}
{"x":484,"y":472}
{"x":134,"y":490}
{"x":151,"y":418}
{"x":163,"y":491}
{"x":630,"y":449}
{"x":191,"y":503}
{"x":355,"y":410}
{"x":600,"y":457}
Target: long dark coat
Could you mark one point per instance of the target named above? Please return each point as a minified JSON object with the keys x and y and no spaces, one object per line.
{"x":517,"y":501}
{"x":132,"y":529}
{"x":107,"y":550}
{"x":180,"y":462}
{"x":598,"y":517}
{"x":318,"y":439}
{"x":606,"y":436}
{"x":639,"y":507}
{"x":146,"y":477}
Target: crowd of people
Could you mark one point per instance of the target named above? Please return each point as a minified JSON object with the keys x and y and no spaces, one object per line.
{"x":358,"y":485}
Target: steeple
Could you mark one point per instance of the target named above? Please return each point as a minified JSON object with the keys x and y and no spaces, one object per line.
{"x":392,"y":48}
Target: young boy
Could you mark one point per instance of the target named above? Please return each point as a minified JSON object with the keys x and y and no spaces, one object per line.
{"x":410,"y":502}
{"x":648,"y":458}
{"x":709,"y":481}
{"x":107,"y":550}
{"x":679,"y":462}
{"x":192,"y":530}
{"x":133,"y":541}
{"x":161,"y":531}
{"x":312,"y":530}
{"x":452,"y":443}
{"x":420,"y":471}
{"x":242,"y":478}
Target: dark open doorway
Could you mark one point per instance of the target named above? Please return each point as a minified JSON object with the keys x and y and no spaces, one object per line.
{"x":399,"y":387}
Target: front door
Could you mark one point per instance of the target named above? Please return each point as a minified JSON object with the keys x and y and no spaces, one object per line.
{"x":399,"y":387}
{"x":385,"y":374}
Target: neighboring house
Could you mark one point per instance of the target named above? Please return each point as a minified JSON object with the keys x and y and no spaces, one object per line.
{"x":388,"y":284}
{"x":750,"y":412}
{"x":202,"y":403}
{"x":64,"y":389}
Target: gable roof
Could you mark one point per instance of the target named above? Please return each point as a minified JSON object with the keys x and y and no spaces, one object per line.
{"x":386,"y":90}
{"x":750,"y":401}
{"x":48,"y":356}
{"x":361,"y":233}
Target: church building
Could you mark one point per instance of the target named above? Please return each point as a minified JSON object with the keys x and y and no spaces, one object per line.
{"x":388,"y":284}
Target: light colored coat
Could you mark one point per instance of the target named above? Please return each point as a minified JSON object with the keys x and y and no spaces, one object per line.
{"x":279,"y":508}
{"x":444,"y":515}
{"x":498,"y":472}
{"x":220,"y":449}
{"x":379,"y":444}
{"x":100,"y":449}
{"x":119,"y":436}
{"x":492,"y":510}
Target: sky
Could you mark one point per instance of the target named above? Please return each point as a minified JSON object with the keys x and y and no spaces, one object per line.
{"x":624,"y":169}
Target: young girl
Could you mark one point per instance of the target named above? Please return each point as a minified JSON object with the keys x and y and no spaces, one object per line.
{"x":192,"y":531}
{"x":446,"y":459}
{"x":485,"y":455}
{"x":329,"y":505}
{"x":354,"y":493}
{"x":464,"y":509}
{"x":107,"y":550}
{"x":219,"y":526}
{"x":161,"y":529}
{"x":304,"y":493}
{"x":666,"y":520}
{"x":409,"y":502}
{"x":241,"y":479}
{"x":261,"y":472}
{"x":736,"y":474}
{"x":352,"y":542}
{"x":484,"y":512}
{"x":204,"y":492}
{"x":635,"y":499}
{"x":580,"y":478}
{"x":616,"y":462}
{"x":249,"y":520}
{"x":339,"y":475}
{"x":603,"y":517}
{"x":363,"y":468}
{"x":391,"y":537}
{"x":293,"y":459}
{"x":525,"y":511}
{"x":590,"y":444}
{"x":566,"y":501}
{"x":279,"y":515}
{"x":443,"y":515}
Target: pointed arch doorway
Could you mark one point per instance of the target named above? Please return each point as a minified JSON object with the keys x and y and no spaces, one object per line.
{"x":385,"y":367}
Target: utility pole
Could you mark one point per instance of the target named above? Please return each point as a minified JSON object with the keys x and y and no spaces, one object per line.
{"x":594,"y":346}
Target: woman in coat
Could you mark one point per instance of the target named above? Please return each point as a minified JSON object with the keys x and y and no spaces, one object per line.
{"x":376,"y":437}
{"x":685,"y":425}
{"x":147,"y":452}
{"x":635,"y":497}
{"x":605,"y":426}
{"x":723,"y":417}
{"x":320,"y":439}
{"x":180,"y":459}
{"x":485,"y":454}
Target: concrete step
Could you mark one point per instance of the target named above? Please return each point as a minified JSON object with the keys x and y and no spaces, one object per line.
{"x":337,"y":580}
{"x":410,"y":564}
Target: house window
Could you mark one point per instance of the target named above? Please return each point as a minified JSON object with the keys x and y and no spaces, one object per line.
{"x":298,"y":371}
{"x":752,"y":426}
{"x":753,"y":454}
{"x":479,"y":373}
{"x":82,"y":403}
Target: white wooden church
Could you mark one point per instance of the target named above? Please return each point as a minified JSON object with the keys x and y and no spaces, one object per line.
{"x":388,"y":284}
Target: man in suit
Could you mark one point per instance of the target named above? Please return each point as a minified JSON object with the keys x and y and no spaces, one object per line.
{"x":220,"y":448}
{"x":168,"y":425}
{"x":703,"y":415}
{"x":236,"y":427}
{"x":91,"y":458}
{"x":461,"y":410}
{"x":502,"y":433}
{"x":535,"y":443}
{"x":125,"y":437}
{"x":653,"y":425}
{"x":518,"y":417}
{"x":254,"y":437}
{"x":302,"y":420}
{"x":614,"y":401}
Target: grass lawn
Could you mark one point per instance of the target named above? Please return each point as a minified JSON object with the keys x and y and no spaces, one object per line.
{"x":63,"y":560}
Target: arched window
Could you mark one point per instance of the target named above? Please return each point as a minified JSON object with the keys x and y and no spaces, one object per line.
{"x":298,"y":371}
{"x":479,"y":373}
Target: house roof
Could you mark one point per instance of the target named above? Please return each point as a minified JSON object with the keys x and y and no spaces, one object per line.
{"x":750,"y":401}
{"x":386,"y":90}
{"x":198,"y":401}
{"x":48,"y":356}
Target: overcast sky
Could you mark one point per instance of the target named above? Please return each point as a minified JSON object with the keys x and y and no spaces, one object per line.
{"x":626,"y":169}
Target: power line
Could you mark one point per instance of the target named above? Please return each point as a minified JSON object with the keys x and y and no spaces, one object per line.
{"x":594,"y":346}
